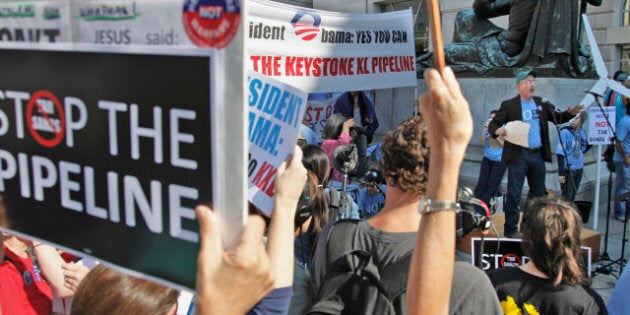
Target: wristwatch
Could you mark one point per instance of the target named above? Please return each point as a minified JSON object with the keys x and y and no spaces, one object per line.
{"x":428,"y":205}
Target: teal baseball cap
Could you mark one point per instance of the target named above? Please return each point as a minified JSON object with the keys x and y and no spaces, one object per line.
{"x":622,"y":77}
{"x":523,"y":74}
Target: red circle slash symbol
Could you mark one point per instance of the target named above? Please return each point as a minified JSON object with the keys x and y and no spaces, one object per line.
{"x":510,"y":260}
{"x":48,"y":118}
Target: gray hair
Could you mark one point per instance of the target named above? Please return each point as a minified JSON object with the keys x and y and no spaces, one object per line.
{"x":333,"y":127}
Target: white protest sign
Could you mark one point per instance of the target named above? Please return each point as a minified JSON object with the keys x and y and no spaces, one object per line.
{"x":320,"y":51}
{"x":599,"y":132}
{"x":275,"y":115}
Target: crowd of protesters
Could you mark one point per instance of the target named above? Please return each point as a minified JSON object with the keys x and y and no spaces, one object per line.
{"x":407,"y":204}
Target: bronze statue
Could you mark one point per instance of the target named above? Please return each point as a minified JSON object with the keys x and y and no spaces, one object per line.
{"x":541,"y":33}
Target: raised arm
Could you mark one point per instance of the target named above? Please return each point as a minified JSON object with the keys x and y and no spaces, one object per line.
{"x":449,"y":129}
{"x":290,"y":180}
{"x":232,"y":281}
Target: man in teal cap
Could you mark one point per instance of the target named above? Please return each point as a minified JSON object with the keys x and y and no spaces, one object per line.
{"x":526,"y":161}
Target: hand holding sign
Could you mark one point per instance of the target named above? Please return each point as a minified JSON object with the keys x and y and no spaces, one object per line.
{"x":290,"y":179}
{"x":232,"y":281}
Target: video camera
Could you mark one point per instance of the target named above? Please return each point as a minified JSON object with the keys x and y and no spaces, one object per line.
{"x":468,"y":219}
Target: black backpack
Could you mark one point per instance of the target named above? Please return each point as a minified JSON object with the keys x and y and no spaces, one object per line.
{"x":305,"y":206}
{"x":353,"y":283}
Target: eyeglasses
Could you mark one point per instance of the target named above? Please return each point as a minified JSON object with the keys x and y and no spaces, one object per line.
{"x":530,"y":81}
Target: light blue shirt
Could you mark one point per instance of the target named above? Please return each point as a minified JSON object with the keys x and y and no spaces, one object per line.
{"x":493,"y":154}
{"x":620,"y":108}
{"x":619,"y":302}
{"x":370,"y":205}
{"x":623,"y":133}
{"x":531,"y":115}
{"x":575,"y":145}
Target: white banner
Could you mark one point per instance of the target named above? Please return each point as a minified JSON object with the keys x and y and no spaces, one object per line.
{"x":598,"y":130}
{"x":42,"y":22}
{"x":320,"y":51}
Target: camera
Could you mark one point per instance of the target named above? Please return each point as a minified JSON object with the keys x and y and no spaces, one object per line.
{"x":358,"y":130}
{"x":467,"y":219}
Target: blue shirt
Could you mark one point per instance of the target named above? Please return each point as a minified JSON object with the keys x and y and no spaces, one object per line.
{"x":531,"y":115}
{"x":370,"y":205}
{"x":623,"y":133}
{"x":617,"y":101}
{"x":574,"y":142}
{"x":493,"y":154}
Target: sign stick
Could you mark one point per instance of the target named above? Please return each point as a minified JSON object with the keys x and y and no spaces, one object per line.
{"x":436,"y":35}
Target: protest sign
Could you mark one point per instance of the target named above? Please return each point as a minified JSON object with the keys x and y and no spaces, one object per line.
{"x":319,"y":107}
{"x":507,"y":253}
{"x":110,"y":138}
{"x":320,"y":51}
{"x":599,"y":132}
{"x":43,"y":22}
{"x":275,"y":115}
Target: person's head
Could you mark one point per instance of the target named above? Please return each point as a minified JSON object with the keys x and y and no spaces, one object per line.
{"x":617,"y":74}
{"x":623,"y":79}
{"x":315,"y":161}
{"x":526,"y":84}
{"x":405,"y":162}
{"x":106,"y":291}
{"x":490,"y":117}
{"x":333,"y":126}
{"x":551,"y":238}
{"x":372,"y":180}
{"x":579,"y":120}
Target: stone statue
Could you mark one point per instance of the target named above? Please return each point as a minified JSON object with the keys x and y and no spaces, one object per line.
{"x":541,"y":33}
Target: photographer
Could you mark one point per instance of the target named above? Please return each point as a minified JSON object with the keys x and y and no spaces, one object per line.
{"x":357,"y":106}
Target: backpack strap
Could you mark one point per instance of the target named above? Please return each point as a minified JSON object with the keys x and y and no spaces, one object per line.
{"x":333,"y":197}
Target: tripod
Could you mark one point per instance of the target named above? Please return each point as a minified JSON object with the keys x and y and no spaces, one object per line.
{"x":607,"y":268}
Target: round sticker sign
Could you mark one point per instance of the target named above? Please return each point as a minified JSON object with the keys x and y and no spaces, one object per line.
{"x":45,"y":118}
{"x":211,"y":23}
{"x":510,"y":260}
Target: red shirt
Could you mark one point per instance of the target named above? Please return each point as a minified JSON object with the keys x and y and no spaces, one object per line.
{"x":22,"y":291}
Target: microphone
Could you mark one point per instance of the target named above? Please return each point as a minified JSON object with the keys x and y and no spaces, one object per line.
{"x":345,"y":158}
{"x":548,"y":103}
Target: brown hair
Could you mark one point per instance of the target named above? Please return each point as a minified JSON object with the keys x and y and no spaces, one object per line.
{"x":315,"y":161}
{"x":551,"y":238}
{"x":106,"y":291}
{"x":405,"y":161}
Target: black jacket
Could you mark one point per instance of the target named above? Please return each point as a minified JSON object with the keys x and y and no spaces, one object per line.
{"x":511,"y":110}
